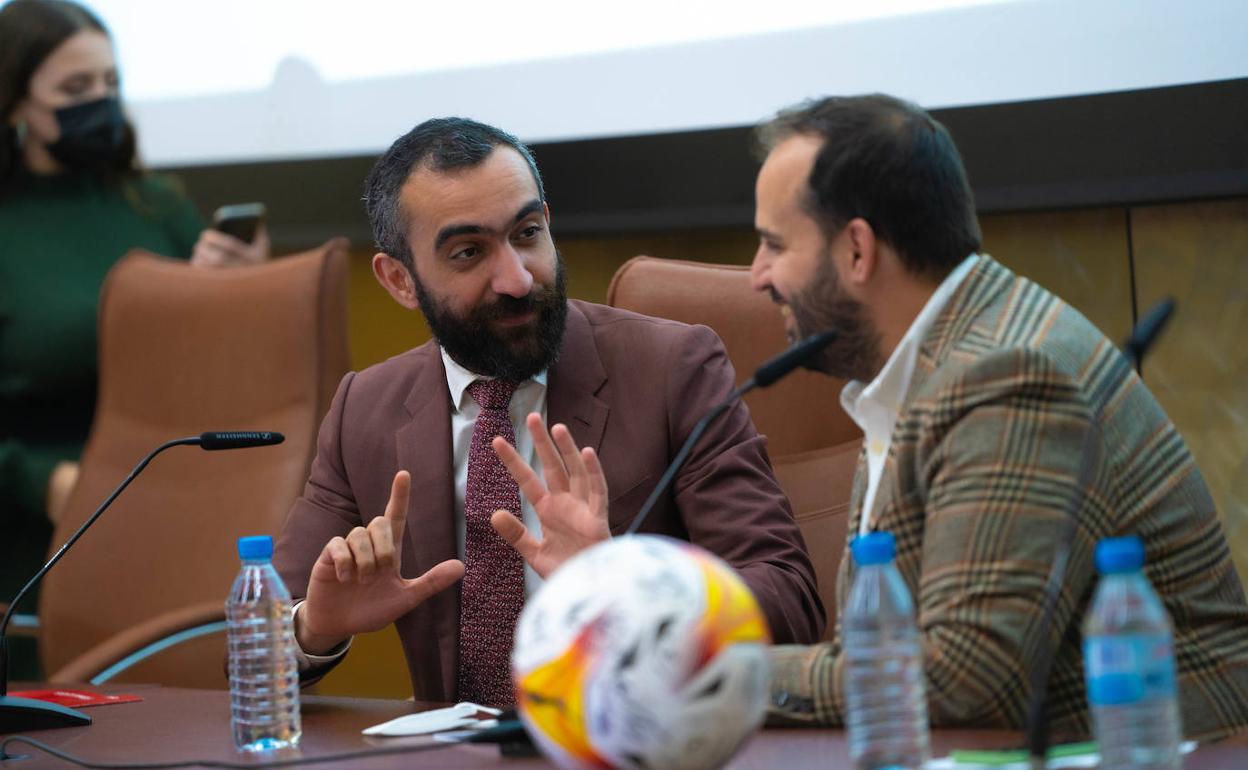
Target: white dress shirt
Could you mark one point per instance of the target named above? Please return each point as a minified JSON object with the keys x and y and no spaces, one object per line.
{"x":876,"y":405}
{"x":529,"y":397}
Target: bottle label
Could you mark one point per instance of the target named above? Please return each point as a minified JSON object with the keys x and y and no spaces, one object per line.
{"x":1128,"y":669}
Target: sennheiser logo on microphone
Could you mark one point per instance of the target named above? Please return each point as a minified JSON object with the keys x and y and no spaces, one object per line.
{"x":239,"y":439}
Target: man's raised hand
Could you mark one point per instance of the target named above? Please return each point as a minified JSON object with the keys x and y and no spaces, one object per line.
{"x":571,"y":505}
{"x":356,"y":585}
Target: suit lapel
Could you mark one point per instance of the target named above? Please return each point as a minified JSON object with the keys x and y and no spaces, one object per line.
{"x":856,"y":494}
{"x":950,"y":332}
{"x":574,"y":381}
{"x":424,"y":450}
{"x":859,"y":487}
{"x":978,"y":290}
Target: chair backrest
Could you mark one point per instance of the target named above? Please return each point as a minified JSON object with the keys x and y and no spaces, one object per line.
{"x":185,"y":350}
{"x":813,"y":444}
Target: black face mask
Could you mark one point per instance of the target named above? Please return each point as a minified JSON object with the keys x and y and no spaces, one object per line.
{"x":91,"y":134}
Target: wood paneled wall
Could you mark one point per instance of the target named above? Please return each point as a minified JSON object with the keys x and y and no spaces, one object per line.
{"x":1198,"y":253}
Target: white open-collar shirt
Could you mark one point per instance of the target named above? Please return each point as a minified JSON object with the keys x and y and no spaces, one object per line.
{"x":876,"y":405}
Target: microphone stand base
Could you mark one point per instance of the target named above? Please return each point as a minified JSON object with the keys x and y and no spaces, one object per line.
{"x":22,"y":714}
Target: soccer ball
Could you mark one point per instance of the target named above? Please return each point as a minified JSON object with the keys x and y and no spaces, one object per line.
{"x":641,"y":652}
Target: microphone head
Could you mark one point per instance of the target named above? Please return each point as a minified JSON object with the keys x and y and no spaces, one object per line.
{"x":214,"y":440}
{"x":801,"y":354}
{"x":1147,"y":330}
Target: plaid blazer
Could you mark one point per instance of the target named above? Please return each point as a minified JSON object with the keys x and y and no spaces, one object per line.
{"x":977,"y":488}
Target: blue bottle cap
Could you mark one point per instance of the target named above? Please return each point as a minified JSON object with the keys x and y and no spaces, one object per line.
{"x":1115,"y":555}
{"x":874,"y":548}
{"x":255,"y":547}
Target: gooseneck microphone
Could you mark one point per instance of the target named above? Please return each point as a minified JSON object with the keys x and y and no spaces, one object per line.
{"x":767,"y":374}
{"x":28,"y":714}
{"x":215,"y":440}
{"x":799,"y":354}
{"x":1138,"y":342}
{"x":1146,"y":331}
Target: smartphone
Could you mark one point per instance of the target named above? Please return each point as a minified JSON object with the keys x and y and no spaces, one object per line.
{"x":240,"y":220}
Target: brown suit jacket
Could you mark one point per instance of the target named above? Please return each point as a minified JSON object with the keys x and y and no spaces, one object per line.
{"x":628,"y":385}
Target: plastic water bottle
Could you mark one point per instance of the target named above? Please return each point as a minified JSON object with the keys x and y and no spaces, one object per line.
{"x":884,"y":690}
{"x":1128,"y":658}
{"x":264,"y":673}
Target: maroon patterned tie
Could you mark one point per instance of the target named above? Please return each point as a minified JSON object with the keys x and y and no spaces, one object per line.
{"x":492,"y":592}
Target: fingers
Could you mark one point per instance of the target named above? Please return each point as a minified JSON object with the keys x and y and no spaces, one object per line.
{"x":361,"y":545}
{"x":204,"y":254}
{"x":336,"y":556}
{"x":512,"y":530}
{"x":597,"y":480}
{"x":217,"y":249}
{"x":367,"y":551}
{"x":570,"y":457}
{"x":384,"y":548}
{"x":227,"y":244}
{"x":259,"y":249}
{"x":396,"y":509}
{"x":440,"y":577}
{"x":373,"y":547}
{"x":530,"y":485}
{"x":552,"y":467}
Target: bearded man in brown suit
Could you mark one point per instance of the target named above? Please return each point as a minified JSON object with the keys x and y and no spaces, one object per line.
{"x":401,"y":502}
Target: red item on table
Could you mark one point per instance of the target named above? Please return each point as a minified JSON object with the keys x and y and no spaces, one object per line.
{"x":75,"y":698}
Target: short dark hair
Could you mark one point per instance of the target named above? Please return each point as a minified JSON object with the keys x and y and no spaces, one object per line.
{"x":441,"y":144}
{"x":889,"y":162}
{"x":30,"y":30}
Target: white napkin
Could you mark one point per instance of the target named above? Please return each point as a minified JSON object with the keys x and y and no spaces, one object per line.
{"x":455,"y":717}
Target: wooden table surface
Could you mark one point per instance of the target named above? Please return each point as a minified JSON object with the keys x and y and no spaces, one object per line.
{"x":172,"y":724}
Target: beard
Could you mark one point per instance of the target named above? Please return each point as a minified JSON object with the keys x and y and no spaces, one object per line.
{"x":515,"y":353}
{"x":854,"y":353}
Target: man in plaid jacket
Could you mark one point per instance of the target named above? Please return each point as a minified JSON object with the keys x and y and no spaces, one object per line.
{"x":976,"y":391}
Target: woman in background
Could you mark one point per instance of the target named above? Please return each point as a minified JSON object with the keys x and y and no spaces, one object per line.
{"x":73,"y":200}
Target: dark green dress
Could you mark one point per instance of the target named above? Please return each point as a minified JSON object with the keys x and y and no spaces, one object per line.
{"x":58,"y":238}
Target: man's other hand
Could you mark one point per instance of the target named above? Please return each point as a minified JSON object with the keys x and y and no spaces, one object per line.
{"x":355,"y":584}
{"x":571,"y":505}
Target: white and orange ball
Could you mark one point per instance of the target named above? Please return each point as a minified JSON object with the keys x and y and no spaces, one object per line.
{"x":642,"y":652}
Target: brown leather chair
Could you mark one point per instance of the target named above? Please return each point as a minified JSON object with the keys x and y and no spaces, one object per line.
{"x":813,"y":444}
{"x":182,"y":351}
